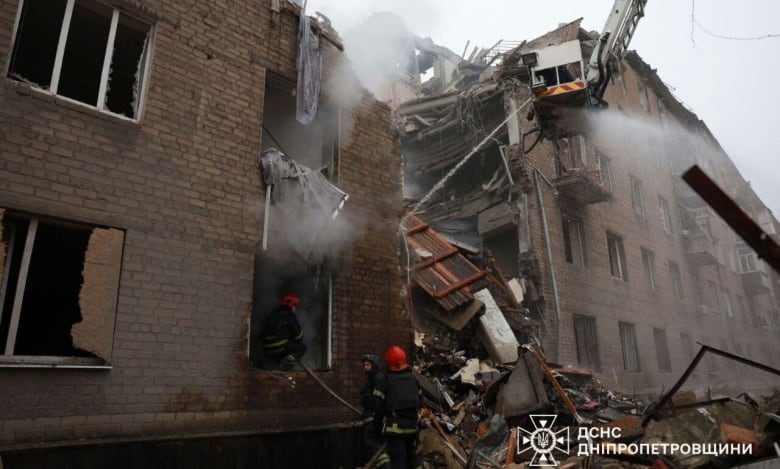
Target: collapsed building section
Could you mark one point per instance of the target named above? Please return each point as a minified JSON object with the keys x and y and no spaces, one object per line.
{"x":506,"y":167}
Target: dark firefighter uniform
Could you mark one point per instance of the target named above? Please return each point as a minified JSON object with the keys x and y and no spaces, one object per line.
{"x":372,"y":398}
{"x":283,"y":337}
{"x":402,"y":404}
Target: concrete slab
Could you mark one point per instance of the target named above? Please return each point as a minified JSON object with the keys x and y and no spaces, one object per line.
{"x":494,"y":331}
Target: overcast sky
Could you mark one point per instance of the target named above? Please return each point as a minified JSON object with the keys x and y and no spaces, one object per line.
{"x":729,"y":84}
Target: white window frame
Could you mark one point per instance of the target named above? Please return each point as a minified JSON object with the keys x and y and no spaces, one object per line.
{"x":103,"y":87}
{"x":615,"y":243}
{"x":648,"y":262}
{"x":666,"y":216}
{"x":748,"y":260}
{"x":8,"y":359}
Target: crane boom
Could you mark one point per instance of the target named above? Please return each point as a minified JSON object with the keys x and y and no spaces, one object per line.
{"x":615,"y":38}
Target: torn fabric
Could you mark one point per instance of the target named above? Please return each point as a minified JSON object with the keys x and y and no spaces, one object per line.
{"x":309,"y":72}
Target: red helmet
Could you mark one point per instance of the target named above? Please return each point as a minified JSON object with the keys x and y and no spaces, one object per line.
{"x":289,"y":300}
{"x":395,"y":358}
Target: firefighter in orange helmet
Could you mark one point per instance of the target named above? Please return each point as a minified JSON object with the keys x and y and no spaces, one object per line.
{"x":283,"y":336}
{"x":402,"y":405}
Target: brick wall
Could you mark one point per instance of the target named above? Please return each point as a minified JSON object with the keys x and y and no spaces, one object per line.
{"x":592,"y":290}
{"x":182,"y":184}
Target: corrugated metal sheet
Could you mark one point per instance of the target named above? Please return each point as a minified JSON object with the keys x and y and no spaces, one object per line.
{"x":438,"y":267}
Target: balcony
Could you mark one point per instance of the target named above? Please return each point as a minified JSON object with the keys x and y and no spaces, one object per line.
{"x":699,"y":249}
{"x":583,"y":187}
{"x":756,"y":282}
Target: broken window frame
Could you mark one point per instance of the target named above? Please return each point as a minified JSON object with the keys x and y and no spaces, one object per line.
{"x":662,"y":349}
{"x":573,"y":240}
{"x":586,"y":341}
{"x":99,"y":332}
{"x":143,"y":71}
{"x":617,"y":257}
{"x":629,"y":347}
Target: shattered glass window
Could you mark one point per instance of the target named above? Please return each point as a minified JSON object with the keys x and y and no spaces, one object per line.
{"x":101,"y":61}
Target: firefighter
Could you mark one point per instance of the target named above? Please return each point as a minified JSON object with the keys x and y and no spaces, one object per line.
{"x":283,"y":337}
{"x":373,"y":401}
{"x":402,"y":404}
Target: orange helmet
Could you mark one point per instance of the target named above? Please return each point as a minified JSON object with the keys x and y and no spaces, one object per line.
{"x":289,"y":300}
{"x":395,"y":358}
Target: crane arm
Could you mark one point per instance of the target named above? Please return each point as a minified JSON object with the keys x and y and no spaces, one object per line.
{"x":614,"y":40}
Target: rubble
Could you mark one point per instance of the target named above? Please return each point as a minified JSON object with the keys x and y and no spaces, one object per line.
{"x":477,"y":406}
{"x":484,"y":379}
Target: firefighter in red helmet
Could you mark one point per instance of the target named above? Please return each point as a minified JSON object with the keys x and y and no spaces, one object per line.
{"x":402,"y":405}
{"x":282,"y":333}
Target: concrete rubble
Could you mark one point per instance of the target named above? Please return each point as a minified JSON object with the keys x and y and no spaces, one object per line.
{"x":474,"y":407}
{"x":483,"y":378}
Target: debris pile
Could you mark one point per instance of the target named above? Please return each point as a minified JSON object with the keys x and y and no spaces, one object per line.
{"x":486,"y":385}
{"x":478,"y":413}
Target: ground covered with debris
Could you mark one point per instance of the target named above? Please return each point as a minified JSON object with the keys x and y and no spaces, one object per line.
{"x":491,"y":399}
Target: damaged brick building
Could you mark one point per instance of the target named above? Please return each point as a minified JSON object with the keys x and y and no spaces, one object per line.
{"x":142,"y":244}
{"x":624,"y":266}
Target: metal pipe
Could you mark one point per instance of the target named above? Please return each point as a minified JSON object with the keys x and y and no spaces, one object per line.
{"x":556,"y":301}
{"x":463,"y":161}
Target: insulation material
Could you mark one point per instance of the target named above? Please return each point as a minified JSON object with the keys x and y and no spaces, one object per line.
{"x":517,"y":290}
{"x":98,"y":295}
{"x":494,"y":331}
{"x":304,"y":194}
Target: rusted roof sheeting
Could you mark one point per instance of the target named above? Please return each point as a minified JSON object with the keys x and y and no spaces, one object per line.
{"x":438,"y":267}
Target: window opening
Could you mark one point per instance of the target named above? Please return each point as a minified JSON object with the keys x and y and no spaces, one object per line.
{"x":83,"y":50}
{"x":586,"y":337}
{"x":662,"y":350}
{"x":59,"y":287}
{"x":629,"y":347}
